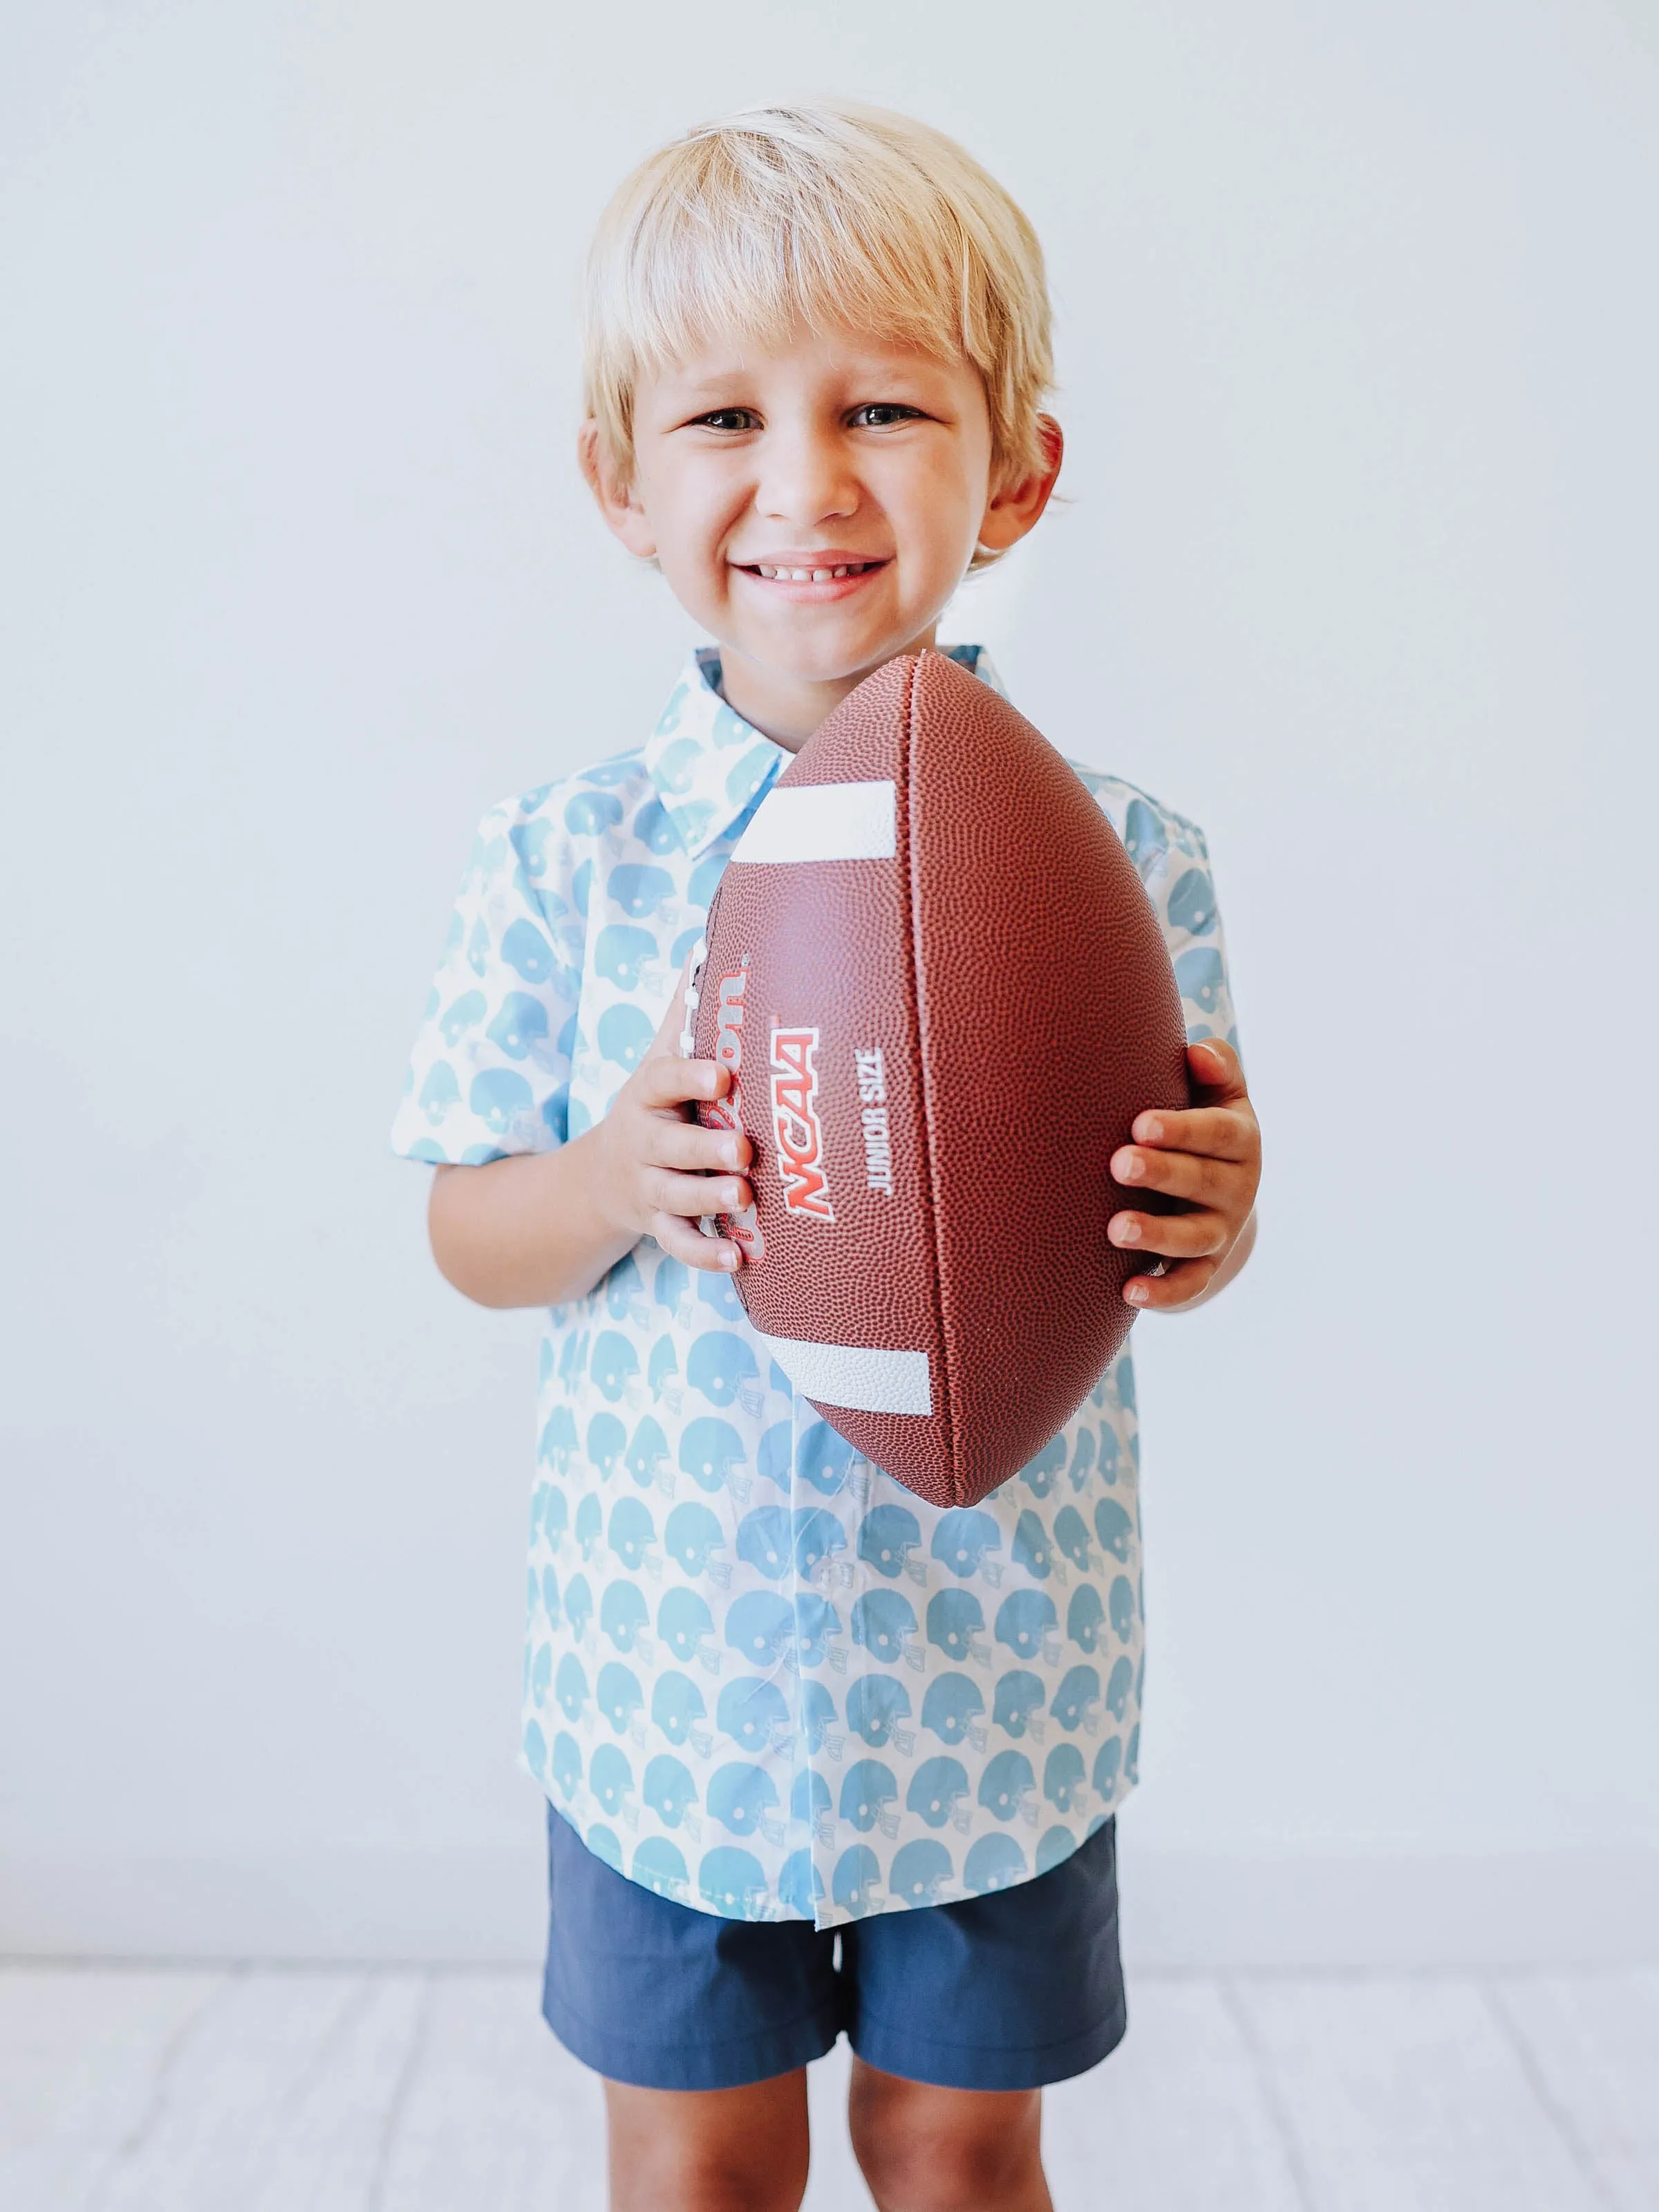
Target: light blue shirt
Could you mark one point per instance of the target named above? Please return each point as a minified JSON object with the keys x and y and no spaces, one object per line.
{"x":762,"y":1678}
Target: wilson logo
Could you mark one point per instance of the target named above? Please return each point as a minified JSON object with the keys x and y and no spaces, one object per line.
{"x":726,"y":1113}
{"x":743,"y":1229}
{"x":796,"y":1124}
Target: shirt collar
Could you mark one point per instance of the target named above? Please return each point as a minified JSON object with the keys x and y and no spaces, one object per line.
{"x":711,"y":768}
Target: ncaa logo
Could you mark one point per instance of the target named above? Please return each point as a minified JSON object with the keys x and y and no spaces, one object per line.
{"x":796,"y":1124}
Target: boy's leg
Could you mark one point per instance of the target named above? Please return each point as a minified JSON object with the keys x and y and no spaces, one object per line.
{"x":700,"y":2028}
{"x":710,"y":2150}
{"x":927,"y":2149}
{"x":959,"y":2013}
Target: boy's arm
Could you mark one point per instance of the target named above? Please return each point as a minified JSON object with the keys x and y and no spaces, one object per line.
{"x":529,"y":1230}
{"x":540,"y":1229}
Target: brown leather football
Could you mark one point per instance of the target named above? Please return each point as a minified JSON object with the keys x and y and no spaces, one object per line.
{"x":944,"y":996}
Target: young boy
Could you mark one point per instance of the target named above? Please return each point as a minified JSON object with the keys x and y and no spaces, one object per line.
{"x":818,"y":1755}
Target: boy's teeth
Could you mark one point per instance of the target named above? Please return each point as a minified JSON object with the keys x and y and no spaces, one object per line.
{"x":811,"y":575}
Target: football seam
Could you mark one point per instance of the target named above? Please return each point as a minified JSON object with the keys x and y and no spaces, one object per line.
{"x":912,"y":898}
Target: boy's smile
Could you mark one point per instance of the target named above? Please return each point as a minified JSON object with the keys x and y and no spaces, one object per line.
{"x":810,"y":576}
{"x":814,"y":506}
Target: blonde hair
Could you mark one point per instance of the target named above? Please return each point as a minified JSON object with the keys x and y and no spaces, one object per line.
{"x":828,"y":214}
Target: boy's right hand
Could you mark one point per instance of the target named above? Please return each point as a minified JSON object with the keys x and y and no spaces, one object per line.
{"x":659,"y":1166}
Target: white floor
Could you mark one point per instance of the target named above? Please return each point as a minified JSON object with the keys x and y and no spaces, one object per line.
{"x":136,"y":2090}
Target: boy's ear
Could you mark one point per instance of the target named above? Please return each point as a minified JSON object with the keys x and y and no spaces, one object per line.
{"x":617,"y":500}
{"x":1015,"y":508}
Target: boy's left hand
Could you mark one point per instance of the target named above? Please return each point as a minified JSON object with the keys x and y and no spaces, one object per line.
{"x":1209,"y":1154}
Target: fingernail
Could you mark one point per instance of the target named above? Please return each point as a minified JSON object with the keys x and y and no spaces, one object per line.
{"x":1128,"y":1231}
{"x":1136,"y":1293}
{"x":1133,"y":1169}
{"x":728,"y":1259}
{"x":1150,"y":1132}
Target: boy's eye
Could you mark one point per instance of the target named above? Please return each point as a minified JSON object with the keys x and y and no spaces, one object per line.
{"x":882,"y":414}
{"x":728,"y":418}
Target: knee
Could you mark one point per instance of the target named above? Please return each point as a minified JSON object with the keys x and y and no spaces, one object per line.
{"x":929,"y":2174}
{"x":707,"y":2178}
{"x":711,"y":2150}
{"x":948,"y":2150}
{"x":732,"y":2184}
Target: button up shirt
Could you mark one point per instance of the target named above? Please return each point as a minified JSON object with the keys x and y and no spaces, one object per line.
{"x":760,"y":1677}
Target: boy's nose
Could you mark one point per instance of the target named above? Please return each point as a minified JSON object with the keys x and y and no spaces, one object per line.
{"x":805,"y":479}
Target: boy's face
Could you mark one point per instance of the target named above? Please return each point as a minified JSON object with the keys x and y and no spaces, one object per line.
{"x":813,"y":508}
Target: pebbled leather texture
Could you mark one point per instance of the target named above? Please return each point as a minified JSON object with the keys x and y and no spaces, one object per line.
{"x":1008,"y":966}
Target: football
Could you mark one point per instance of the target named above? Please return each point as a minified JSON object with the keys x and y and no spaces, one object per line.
{"x":943,"y":996}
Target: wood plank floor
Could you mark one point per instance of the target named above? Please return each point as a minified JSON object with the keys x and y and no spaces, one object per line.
{"x":140,"y":2090}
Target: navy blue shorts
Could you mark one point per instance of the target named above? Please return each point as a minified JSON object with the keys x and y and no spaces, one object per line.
{"x":1007,"y":1992}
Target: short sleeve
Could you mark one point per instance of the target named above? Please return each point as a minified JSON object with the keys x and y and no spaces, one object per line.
{"x":1173,"y":863}
{"x":1183,"y":893}
{"x":489,"y":1073}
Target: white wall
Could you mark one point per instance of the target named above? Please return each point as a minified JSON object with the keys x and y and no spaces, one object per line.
{"x":1358,"y":343}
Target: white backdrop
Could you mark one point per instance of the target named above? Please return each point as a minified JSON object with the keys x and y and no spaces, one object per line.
{"x":1358,"y":352}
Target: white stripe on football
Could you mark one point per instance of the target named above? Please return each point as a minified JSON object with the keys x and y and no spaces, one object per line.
{"x":821,"y":822}
{"x":866,"y":1380}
